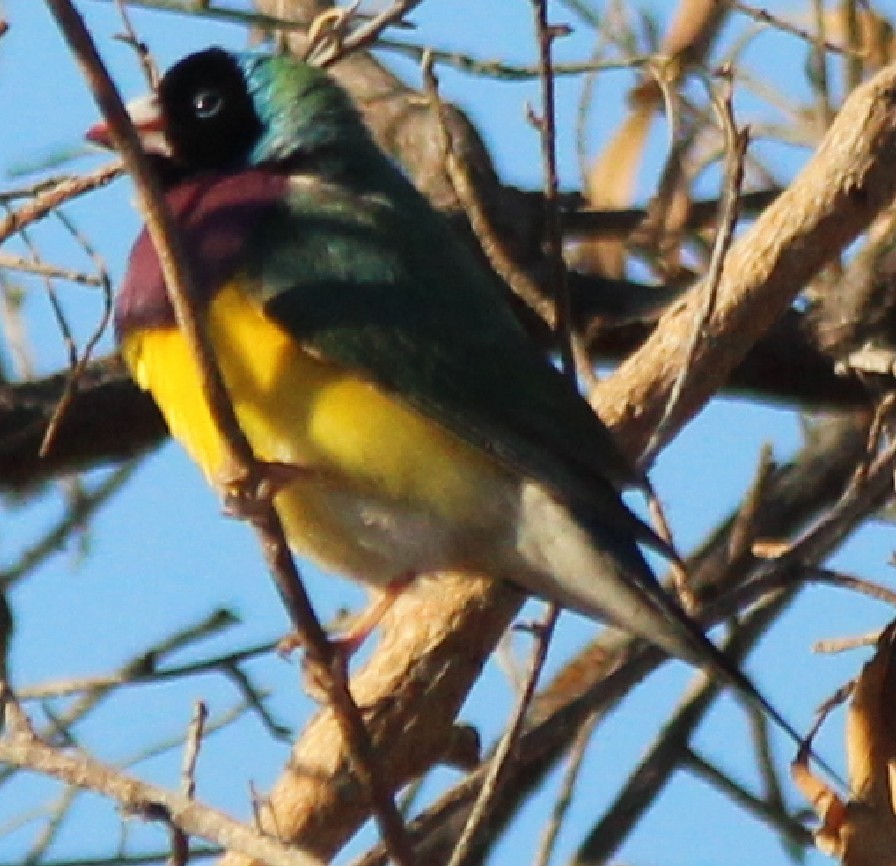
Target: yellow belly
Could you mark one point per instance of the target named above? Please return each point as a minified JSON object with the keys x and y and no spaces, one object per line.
{"x":409,"y":495}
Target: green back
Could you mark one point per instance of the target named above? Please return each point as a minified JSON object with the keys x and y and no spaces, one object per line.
{"x":360,"y":268}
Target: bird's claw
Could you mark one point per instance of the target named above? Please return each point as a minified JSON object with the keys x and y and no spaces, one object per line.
{"x":343,"y":647}
{"x":248,"y":491}
{"x":347,"y":642}
{"x":316,"y":673}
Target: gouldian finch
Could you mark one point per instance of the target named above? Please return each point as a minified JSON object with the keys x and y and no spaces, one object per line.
{"x":357,"y":334}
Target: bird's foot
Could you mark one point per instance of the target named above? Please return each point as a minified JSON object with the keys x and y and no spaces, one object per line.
{"x":249,"y":491}
{"x":348,"y":641}
{"x":318,"y":674}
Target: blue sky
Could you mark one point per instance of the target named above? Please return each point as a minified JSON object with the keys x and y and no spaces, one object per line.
{"x":161,"y":556}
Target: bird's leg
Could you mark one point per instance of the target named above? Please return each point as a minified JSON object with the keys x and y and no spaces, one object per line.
{"x":347,"y":643}
{"x":351,"y":640}
{"x":247,"y":490}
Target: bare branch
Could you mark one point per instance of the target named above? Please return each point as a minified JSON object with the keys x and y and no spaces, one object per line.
{"x":149,"y":801}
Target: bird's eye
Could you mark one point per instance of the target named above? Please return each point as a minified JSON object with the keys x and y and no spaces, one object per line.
{"x":207,"y":104}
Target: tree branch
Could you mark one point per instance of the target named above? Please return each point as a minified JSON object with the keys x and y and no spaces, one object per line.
{"x":846,"y":184}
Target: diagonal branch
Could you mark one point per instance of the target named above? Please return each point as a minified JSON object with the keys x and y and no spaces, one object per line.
{"x":247,"y":471}
{"x":847,"y":183}
{"x":150,"y":801}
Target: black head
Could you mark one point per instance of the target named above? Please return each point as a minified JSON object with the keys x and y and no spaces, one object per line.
{"x":210,"y":120}
{"x":217,"y":111}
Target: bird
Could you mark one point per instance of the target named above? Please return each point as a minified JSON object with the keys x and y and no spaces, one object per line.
{"x":359,"y":335}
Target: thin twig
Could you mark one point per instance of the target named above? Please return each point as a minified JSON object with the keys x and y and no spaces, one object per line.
{"x":817,"y":62}
{"x":743,"y":527}
{"x":61,"y":192}
{"x":868,"y":588}
{"x":65,"y":330}
{"x":546,"y":125}
{"x":576,"y":759}
{"x":180,"y":841}
{"x":255,"y":700}
{"x":191,"y":750}
{"x":877,"y":430}
{"x":71,"y":793}
{"x":823,"y":535}
{"x":763,"y":16}
{"x":137,"y":666}
{"x":543,"y":632}
{"x":464,"y":188}
{"x":329,"y":38}
{"x":80,"y":363}
{"x":15,"y":332}
{"x":148,"y":858}
{"x":735,"y":148}
{"x":493,"y":248}
{"x":48,"y":834}
{"x":248,"y":481}
{"x":214,"y":12}
{"x":74,"y":518}
{"x":44,"y":269}
{"x":771,"y":814}
{"x":502,"y":71}
{"x":146,"y":672}
{"x":365,"y":36}
{"x":150,"y":801}
{"x":678,"y":572}
{"x":219,"y":722}
{"x":147,"y":63}
{"x":833,"y":645}
{"x":765,"y":760}
{"x":144,"y":666}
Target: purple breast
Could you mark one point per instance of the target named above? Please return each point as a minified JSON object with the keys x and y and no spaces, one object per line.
{"x":217,"y":216}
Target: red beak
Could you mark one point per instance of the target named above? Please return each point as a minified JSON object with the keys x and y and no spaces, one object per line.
{"x":147,"y":118}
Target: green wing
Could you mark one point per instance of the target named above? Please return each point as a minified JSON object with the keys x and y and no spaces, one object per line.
{"x":378,"y":282}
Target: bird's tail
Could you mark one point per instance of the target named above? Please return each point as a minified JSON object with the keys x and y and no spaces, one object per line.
{"x":594,"y":566}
